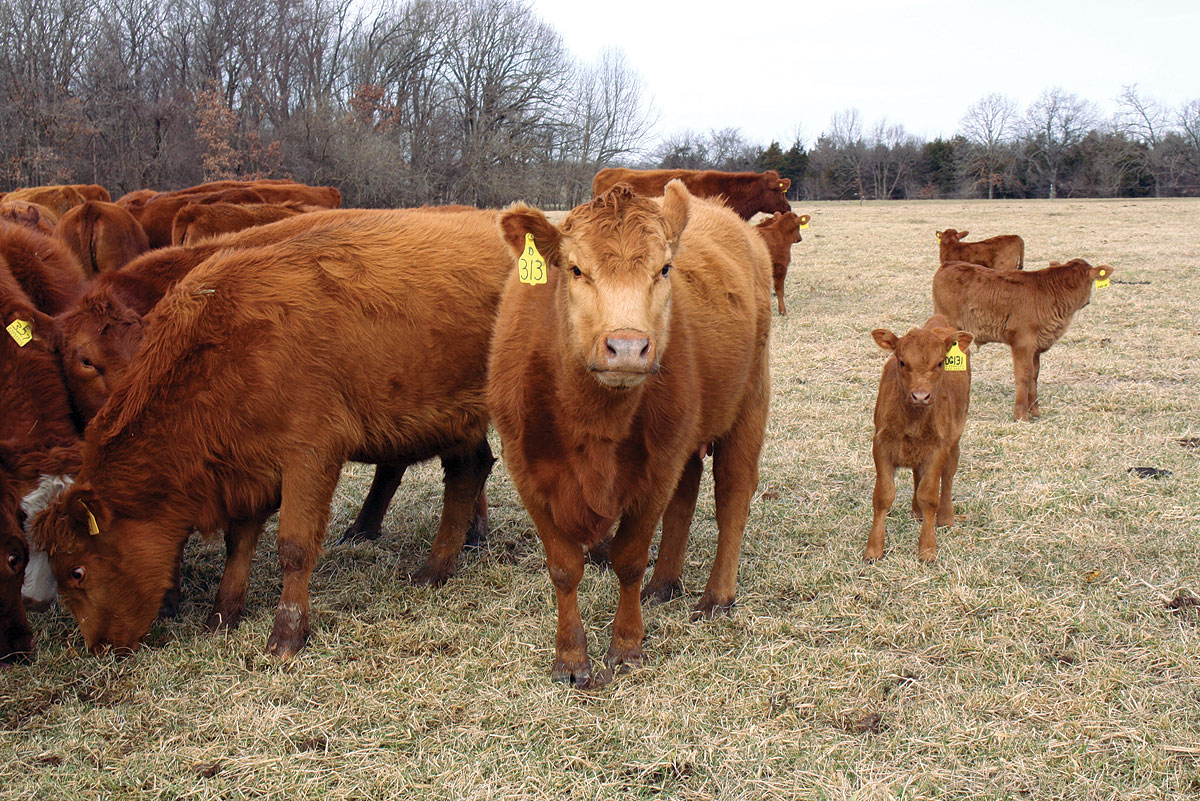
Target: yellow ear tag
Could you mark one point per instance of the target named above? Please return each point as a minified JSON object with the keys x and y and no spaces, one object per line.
{"x":1102,"y":281}
{"x":93,"y":526}
{"x":532,"y":266}
{"x":956,"y":360}
{"x":21,"y":331}
{"x":804,"y":218}
{"x":938,"y":236}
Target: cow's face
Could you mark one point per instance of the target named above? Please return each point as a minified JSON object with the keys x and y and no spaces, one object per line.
{"x":920,"y":357}
{"x":774,"y":193}
{"x":613,"y":259}
{"x":96,"y":342}
{"x":113,"y":580}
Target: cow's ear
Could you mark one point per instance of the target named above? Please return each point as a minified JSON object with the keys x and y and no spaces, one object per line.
{"x":676,"y":202}
{"x":885,"y":339}
{"x":785,"y":184}
{"x":964,"y":339}
{"x":963,"y":234}
{"x":1101,"y":271}
{"x":950,"y":337}
{"x":520,"y":219}
{"x":30,"y":327}
{"x":85,"y":507}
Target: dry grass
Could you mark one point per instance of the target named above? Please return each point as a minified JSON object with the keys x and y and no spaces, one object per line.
{"x":1052,"y":652}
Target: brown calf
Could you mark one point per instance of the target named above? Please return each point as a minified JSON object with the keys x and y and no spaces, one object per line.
{"x":780,"y":231}
{"x":1005,"y":252}
{"x":919,"y":417}
{"x":59,"y":198}
{"x":646,"y":344}
{"x":157,"y":216}
{"x":31,"y":215}
{"x":1027,"y":310}
{"x":102,"y":236}
{"x":260,"y":374}
{"x":195,"y":223}
{"x":747,"y":193}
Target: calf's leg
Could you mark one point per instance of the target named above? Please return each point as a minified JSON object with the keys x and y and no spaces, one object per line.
{"x":466,"y":472}
{"x":928,"y":496}
{"x":779,"y":276}
{"x":1034,"y":411}
{"x":665,"y":583}
{"x":369,"y":522}
{"x":945,"y":509}
{"x":564,"y":558}
{"x":630,"y":552}
{"x":1023,"y":372}
{"x":881,"y":501}
{"x":241,"y":541}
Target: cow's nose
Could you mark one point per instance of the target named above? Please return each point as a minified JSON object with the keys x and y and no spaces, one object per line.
{"x":625,"y":351}
{"x":920,"y":396}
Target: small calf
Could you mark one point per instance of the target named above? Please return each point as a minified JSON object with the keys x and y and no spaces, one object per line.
{"x":780,"y":231}
{"x":1005,"y":252}
{"x":919,"y":416}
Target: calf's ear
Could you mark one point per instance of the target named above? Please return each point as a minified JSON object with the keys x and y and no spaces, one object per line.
{"x":963,"y":234}
{"x":785,"y":184}
{"x":520,"y":219}
{"x":1101,"y":271}
{"x":885,"y":339}
{"x":676,"y":200}
{"x":950,"y":337}
{"x":89,"y":512}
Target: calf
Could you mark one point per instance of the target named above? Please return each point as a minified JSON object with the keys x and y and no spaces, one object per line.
{"x":919,"y":417}
{"x":157,"y":215}
{"x":60,"y":197}
{"x":102,"y":236}
{"x":747,"y":193}
{"x":33,"y":216}
{"x":260,"y":374}
{"x":1028,"y":311}
{"x":780,"y":231}
{"x":195,"y":223}
{"x":1006,"y":252}
{"x":644,"y":345}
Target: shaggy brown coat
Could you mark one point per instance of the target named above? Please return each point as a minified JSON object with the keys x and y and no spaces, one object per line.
{"x":102,"y":236}
{"x":646,"y":345}
{"x":194,"y":224}
{"x":33,"y":216}
{"x":1027,"y":310}
{"x":58,"y":198}
{"x":1005,"y":252}
{"x":747,"y":193}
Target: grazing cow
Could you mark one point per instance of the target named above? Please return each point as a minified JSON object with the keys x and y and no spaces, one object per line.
{"x":16,"y":638}
{"x":195,"y":223}
{"x":1027,"y":310}
{"x":919,"y":417}
{"x":747,"y":193}
{"x":31,"y":215}
{"x":261,"y":373}
{"x":645,"y":347}
{"x":59,"y":198}
{"x":780,"y":231}
{"x":137,"y":198}
{"x":1005,"y":252}
{"x":157,"y":216}
{"x":41,"y":266}
{"x":102,"y":236}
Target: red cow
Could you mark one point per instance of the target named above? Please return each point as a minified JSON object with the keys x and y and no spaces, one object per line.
{"x":747,"y":193}
{"x":352,"y":342}
{"x":157,"y":216}
{"x":41,"y":266}
{"x":102,"y":236}
{"x":195,"y":223}
{"x":920,"y":413}
{"x":60,"y":197}
{"x":645,"y":345}
{"x":1028,"y":311}
{"x":1006,"y":252}
{"x":780,"y":231}
{"x":31,"y":215}
{"x":16,"y":638}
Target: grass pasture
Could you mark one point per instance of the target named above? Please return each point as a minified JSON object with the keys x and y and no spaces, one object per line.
{"x":1053,"y":651}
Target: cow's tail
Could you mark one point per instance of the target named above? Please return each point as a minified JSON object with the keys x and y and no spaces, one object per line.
{"x":88,"y":217}
{"x":1021,"y":258}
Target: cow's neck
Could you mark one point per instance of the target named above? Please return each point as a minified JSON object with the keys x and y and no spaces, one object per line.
{"x":596,"y":411}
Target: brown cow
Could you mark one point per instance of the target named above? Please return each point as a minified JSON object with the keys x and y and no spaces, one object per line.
{"x":103,"y":236}
{"x":920,"y":413}
{"x":780,"y":231}
{"x":33,"y":216}
{"x":43,"y":268}
{"x":747,"y":193}
{"x":352,"y":342}
{"x":58,"y":198}
{"x":1006,"y":252}
{"x":195,"y":223}
{"x":136,"y":198}
{"x":16,"y":638}
{"x":646,"y":344}
{"x":1028,"y":311}
{"x":157,"y":216}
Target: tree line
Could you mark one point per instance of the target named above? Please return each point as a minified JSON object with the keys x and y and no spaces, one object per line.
{"x":408,"y":102}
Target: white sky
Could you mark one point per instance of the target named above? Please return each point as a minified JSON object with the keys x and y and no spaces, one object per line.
{"x":768,"y":67}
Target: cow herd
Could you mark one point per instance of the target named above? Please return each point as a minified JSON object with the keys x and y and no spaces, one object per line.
{"x":194,"y":361}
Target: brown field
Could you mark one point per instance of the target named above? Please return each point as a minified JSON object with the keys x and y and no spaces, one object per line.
{"x":1053,"y":651}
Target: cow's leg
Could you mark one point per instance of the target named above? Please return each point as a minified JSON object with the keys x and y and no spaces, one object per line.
{"x":916,"y":507}
{"x":477,"y":533}
{"x":169,"y":607}
{"x":303,"y":514}
{"x":881,"y":502}
{"x":665,"y":583}
{"x":1023,"y":371}
{"x":928,"y":495}
{"x":779,"y":291}
{"x":735,"y":477}
{"x":564,"y":559}
{"x":466,"y":472}
{"x":241,"y":541}
{"x":369,"y":522}
{"x":945,"y":509}
{"x":630,"y":552}
{"x":1034,"y":411}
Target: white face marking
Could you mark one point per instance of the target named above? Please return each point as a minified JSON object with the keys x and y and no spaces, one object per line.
{"x":40,"y":588}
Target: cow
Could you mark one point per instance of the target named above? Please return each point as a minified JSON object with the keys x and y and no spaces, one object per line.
{"x":195,"y":223}
{"x":16,"y":638}
{"x":644,"y":347}
{"x":157,"y":216}
{"x":1006,"y":252}
{"x":1027,"y":310}
{"x":31,"y":215}
{"x":747,"y":193}
{"x":780,"y":231}
{"x":102,"y":236}
{"x":41,"y":266}
{"x":260,"y":374}
{"x":920,"y":413}
{"x":60,"y":197}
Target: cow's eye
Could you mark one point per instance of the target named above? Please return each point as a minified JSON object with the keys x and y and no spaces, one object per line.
{"x":575,"y":271}
{"x":666,"y":268}
{"x":77,"y":573}
{"x":900,"y":360}
{"x":86,"y":362}
{"x":13,"y":560}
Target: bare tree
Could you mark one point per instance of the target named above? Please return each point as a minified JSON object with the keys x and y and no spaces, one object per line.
{"x":1055,"y":122}
{"x":1144,"y":120}
{"x":988,"y":124}
{"x":890,"y":155}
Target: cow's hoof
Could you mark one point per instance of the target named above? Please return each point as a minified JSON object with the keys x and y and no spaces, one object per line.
{"x":661,"y":592}
{"x":285,"y":647}
{"x":431,"y":575}
{"x":222,"y":621}
{"x":710,"y":607}
{"x":927,"y":555}
{"x":355,"y":535}
{"x":577,"y":674}
{"x":622,"y":660}
{"x":290,"y":632}
{"x":477,"y":533}
{"x":872,"y":554}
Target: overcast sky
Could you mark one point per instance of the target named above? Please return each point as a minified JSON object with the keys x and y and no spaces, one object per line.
{"x":768,"y":68}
